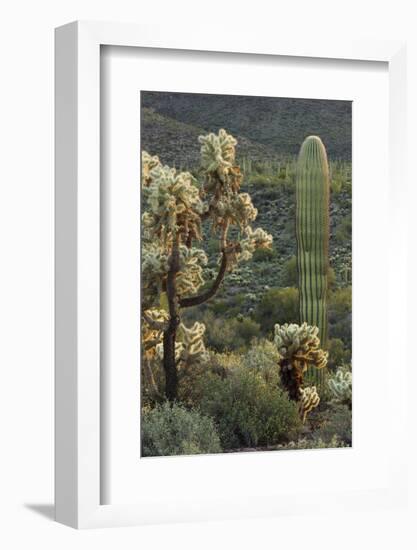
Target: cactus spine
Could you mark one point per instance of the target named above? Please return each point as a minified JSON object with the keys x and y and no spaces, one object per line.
{"x":312,"y":233}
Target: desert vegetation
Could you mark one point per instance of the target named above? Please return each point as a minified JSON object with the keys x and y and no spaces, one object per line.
{"x":246,"y":296}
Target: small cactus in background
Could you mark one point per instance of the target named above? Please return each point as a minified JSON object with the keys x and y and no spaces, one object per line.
{"x":299,"y":349}
{"x":340,"y":386}
{"x":309,"y":400}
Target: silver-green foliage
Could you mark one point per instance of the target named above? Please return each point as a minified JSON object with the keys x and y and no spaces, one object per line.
{"x":340,"y":385}
{"x":173,"y":430}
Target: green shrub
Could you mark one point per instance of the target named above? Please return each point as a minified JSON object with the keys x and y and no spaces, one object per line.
{"x":173,"y":430}
{"x":224,"y":334}
{"x":343,"y":232}
{"x":336,"y":185}
{"x":262,"y":180}
{"x":277,"y":305}
{"x":247,"y":410}
{"x":338,"y":355}
{"x":290,"y":274}
{"x":263,"y":357}
{"x":340,"y":315}
{"x":264,"y":255}
{"x":337,"y":422}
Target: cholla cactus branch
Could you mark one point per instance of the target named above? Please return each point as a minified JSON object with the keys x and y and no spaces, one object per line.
{"x":309,"y":399}
{"x":341,"y":386}
{"x":299,"y":349}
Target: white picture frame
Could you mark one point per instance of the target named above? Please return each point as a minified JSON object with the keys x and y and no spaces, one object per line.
{"x":77,"y":242}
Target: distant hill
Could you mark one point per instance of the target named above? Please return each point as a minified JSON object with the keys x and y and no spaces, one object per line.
{"x":270,"y":126}
{"x":176,"y":143}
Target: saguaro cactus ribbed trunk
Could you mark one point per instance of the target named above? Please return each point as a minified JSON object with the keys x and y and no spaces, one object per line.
{"x":312,"y":229}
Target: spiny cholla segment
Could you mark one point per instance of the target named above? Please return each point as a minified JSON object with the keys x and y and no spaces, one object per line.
{"x":218,"y":152}
{"x":189,"y":349}
{"x":225,"y":205}
{"x":341,"y":385}
{"x":154,"y":323}
{"x":190,"y":276}
{"x":172,"y":199}
{"x":252,"y":241}
{"x":299,"y":349}
{"x":300,"y":344}
{"x":309,"y":399}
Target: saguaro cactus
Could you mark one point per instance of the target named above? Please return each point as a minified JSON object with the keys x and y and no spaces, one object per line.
{"x":312,"y":232}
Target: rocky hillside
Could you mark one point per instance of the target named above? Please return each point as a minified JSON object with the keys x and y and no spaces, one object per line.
{"x":278,"y":124}
{"x":176,"y":143}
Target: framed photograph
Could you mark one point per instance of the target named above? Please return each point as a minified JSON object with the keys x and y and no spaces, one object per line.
{"x":229,"y":219}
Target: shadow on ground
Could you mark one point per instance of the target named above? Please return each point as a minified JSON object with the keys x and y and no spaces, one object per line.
{"x":45,"y":510}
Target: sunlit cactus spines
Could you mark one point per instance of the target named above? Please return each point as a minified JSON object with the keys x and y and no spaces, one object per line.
{"x":300,"y":343}
{"x":192,"y":341}
{"x":341,"y":386}
{"x":299,"y":349}
{"x":254,"y":240}
{"x":218,"y":152}
{"x":309,"y":400}
{"x":148,"y":163}
{"x":154,"y":322}
{"x":175,"y":205}
{"x":312,"y":232}
{"x":190,"y":274}
{"x":189,"y":349}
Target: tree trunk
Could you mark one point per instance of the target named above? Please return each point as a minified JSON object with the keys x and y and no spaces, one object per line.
{"x":169,"y":363}
{"x":170,"y":368}
{"x":292,"y":379}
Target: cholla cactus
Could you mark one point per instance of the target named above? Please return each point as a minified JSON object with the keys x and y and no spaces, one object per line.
{"x":309,"y":400}
{"x":189,"y":349}
{"x":252,"y":241}
{"x":218,"y":152}
{"x":148,"y":163}
{"x":154,"y":322}
{"x":299,"y":349}
{"x":190,"y":274}
{"x":301,"y":344}
{"x":175,"y":204}
{"x":192,"y":341}
{"x":341,"y":386}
